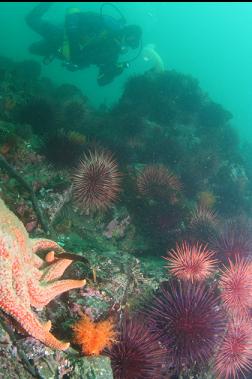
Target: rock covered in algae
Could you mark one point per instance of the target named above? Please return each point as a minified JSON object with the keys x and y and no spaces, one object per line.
{"x":12,"y":369}
{"x":92,"y":368}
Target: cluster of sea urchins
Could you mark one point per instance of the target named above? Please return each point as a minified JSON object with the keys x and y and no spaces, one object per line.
{"x":190,"y":323}
{"x":96,"y":181}
{"x":202,"y":324}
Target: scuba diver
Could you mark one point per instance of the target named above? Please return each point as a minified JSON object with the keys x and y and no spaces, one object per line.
{"x":86,"y":38}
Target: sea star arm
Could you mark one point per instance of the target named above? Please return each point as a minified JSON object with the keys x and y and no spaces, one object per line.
{"x":41,"y":295}
{"x":56,"y":269}
{"x":40,"y":244}
{"x":21,"y":271}
{"x":10,"y":304}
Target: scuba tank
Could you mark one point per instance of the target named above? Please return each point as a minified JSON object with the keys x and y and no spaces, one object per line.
{"x":71,"y":27}
{"x":70,"y":40}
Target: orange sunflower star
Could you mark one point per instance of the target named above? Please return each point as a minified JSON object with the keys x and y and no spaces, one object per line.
{"x":26,"y":280}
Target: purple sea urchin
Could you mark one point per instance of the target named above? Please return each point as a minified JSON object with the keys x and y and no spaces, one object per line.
{"x":96,"y":181}
{"x":137,"y":354}
{"x":156,"y":182}
{"x":188,"y":320}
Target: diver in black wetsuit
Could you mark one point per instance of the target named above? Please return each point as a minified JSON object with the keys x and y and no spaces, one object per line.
{"x":86,"y":38}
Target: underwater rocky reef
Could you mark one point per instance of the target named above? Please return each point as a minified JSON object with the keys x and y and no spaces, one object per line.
{"x":125,"y":235}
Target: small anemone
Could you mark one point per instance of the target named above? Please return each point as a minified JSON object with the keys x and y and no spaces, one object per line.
{"x":93,"y":337}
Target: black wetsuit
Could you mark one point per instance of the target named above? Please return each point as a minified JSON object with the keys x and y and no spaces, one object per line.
{"x":90,"y":41}
{"x":52,"y":34}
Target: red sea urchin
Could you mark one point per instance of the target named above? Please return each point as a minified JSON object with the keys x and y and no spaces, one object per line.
{"x":156,"y":182}
{"x":236,"y":286}
{"x":189,"y":322}
{"x":235,"y":353}
{"x":191,"y":262}
{"x":137,"y":353}
{"x":96,"y":181}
